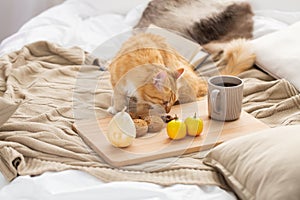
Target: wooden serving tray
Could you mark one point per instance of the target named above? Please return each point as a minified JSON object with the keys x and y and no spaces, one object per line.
{"x":157,"y":145}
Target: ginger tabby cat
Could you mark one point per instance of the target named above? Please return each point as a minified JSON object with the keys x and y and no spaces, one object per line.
{"x":148,"y":76}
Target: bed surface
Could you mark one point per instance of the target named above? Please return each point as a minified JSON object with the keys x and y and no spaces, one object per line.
{"x":73,"y":184}
{"x":87,"y":24}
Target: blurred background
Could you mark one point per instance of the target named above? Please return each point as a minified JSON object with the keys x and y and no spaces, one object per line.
{"x":14,"y":13}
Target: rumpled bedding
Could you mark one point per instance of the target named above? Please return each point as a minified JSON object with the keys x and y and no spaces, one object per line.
{"x":53,"y":86}
{"x":275,"y":102}
{"x":56,"y":86}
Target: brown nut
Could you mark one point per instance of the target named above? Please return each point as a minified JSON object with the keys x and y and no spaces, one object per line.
{"x":141,"y":127}
{"x":155,"y":123}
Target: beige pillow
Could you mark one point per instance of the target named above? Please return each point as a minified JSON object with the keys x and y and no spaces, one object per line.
{"x":264,"y":165}
{"x":7,"y":109}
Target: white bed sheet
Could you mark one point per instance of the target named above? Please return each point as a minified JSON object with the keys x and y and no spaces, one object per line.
{"x":79,"y":185}
{"x":87,"y":24}
{"x":75,"y":23}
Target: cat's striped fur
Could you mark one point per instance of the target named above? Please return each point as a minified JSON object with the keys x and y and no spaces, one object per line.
{"x":152,"y":75}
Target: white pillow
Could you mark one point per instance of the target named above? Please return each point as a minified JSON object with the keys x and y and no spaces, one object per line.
{"x":278,"y":53}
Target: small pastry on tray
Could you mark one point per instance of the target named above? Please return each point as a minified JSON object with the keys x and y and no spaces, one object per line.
{"x":141,"y":127}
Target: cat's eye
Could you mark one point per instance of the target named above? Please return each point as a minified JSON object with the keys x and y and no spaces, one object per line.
{"x":165,"y":103}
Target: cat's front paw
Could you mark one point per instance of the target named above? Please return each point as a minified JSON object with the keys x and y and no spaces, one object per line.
{"x":112,"y":110}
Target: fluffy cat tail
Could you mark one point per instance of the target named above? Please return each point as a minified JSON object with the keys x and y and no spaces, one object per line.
{"x":233,"y":57}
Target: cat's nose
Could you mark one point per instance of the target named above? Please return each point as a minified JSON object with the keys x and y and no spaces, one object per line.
{"x":167,"y":109}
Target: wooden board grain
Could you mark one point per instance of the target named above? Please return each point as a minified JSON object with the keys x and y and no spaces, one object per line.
{"x":157,"y":145}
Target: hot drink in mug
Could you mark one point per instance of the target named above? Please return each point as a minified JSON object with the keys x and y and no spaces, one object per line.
{"x":225,"y":95}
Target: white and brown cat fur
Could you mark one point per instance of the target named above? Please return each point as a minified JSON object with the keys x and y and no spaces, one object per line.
{"x":150,"y":73}
{"x":214,"y":24}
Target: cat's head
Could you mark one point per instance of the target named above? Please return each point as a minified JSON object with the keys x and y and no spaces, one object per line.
{"x":159,"y":94}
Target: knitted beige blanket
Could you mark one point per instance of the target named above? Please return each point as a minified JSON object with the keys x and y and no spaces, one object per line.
{"x":44,"y":88}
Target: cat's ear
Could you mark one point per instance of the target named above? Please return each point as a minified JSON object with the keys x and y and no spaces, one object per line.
{"x":178,"y":73}
{"x":159,"y":79}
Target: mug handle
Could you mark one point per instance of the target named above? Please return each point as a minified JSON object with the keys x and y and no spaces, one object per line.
{"x":213,"y":96}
